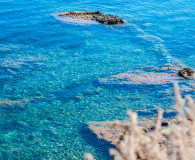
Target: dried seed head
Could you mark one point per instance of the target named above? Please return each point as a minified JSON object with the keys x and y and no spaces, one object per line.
{"x":190,"y":101}
{"x":115,"y":154}
{"x":89,"y":156}
{"x":178,"y":99}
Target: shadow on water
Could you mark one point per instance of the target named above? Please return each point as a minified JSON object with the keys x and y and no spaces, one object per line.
{"x":13,"y":125}
{"x":101,"y":145}
{"x":151,"y":112}
{"x":73,"y":92}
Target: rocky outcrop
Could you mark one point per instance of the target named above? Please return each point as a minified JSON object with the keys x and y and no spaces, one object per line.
{"x":99,"y":16}
{"x":186,"y":72}
{"x":104,"y":130}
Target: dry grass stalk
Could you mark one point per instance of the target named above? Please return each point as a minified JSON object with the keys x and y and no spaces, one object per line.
{"x":88,"y":156}
{"x":175,"y":142}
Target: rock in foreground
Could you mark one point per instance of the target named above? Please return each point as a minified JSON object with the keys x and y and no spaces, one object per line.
{"x":186,"y":72}
{"x":113,"y":134}
{"x":103,"y":131}
{"x":99,"y":16}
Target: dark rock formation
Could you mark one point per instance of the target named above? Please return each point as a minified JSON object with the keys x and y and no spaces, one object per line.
{"x":186,"y":72}
{"x":99,"y":16}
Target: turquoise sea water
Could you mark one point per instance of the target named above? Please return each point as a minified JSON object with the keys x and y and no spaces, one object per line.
{"x":49,"y":68}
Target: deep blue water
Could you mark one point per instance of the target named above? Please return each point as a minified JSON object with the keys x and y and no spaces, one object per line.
{"x":49,"y":67}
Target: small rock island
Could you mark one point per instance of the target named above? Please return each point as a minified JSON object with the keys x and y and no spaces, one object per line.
{"x":99,"y":16}
{"x":186,"y":72}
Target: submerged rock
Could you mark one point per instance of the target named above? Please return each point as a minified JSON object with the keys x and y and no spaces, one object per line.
{"x":186,"y":72}
{"x":139,"y":77}
{"x":10,"y":105}
{"x":99,"y":16}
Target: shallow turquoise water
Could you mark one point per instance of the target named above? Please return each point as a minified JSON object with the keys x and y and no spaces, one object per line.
{"x":50,"y":66}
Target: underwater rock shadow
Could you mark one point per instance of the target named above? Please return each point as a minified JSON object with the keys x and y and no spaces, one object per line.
{"x":101,"y":145}
{"x":74,"y":91}
{"x":13,"y":125}
{"x":151,"y":112}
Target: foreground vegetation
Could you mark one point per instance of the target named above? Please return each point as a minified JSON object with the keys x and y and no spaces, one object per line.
{"x":175,"y":141}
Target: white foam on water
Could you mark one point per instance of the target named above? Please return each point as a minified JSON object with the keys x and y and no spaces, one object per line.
{"x":80,"y":21}
{"x":147,"y":24}
{"x":136,"y":27}
{"x":172,"y":60}
{"x":150,"y":38}
{"x":159,"y":46}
